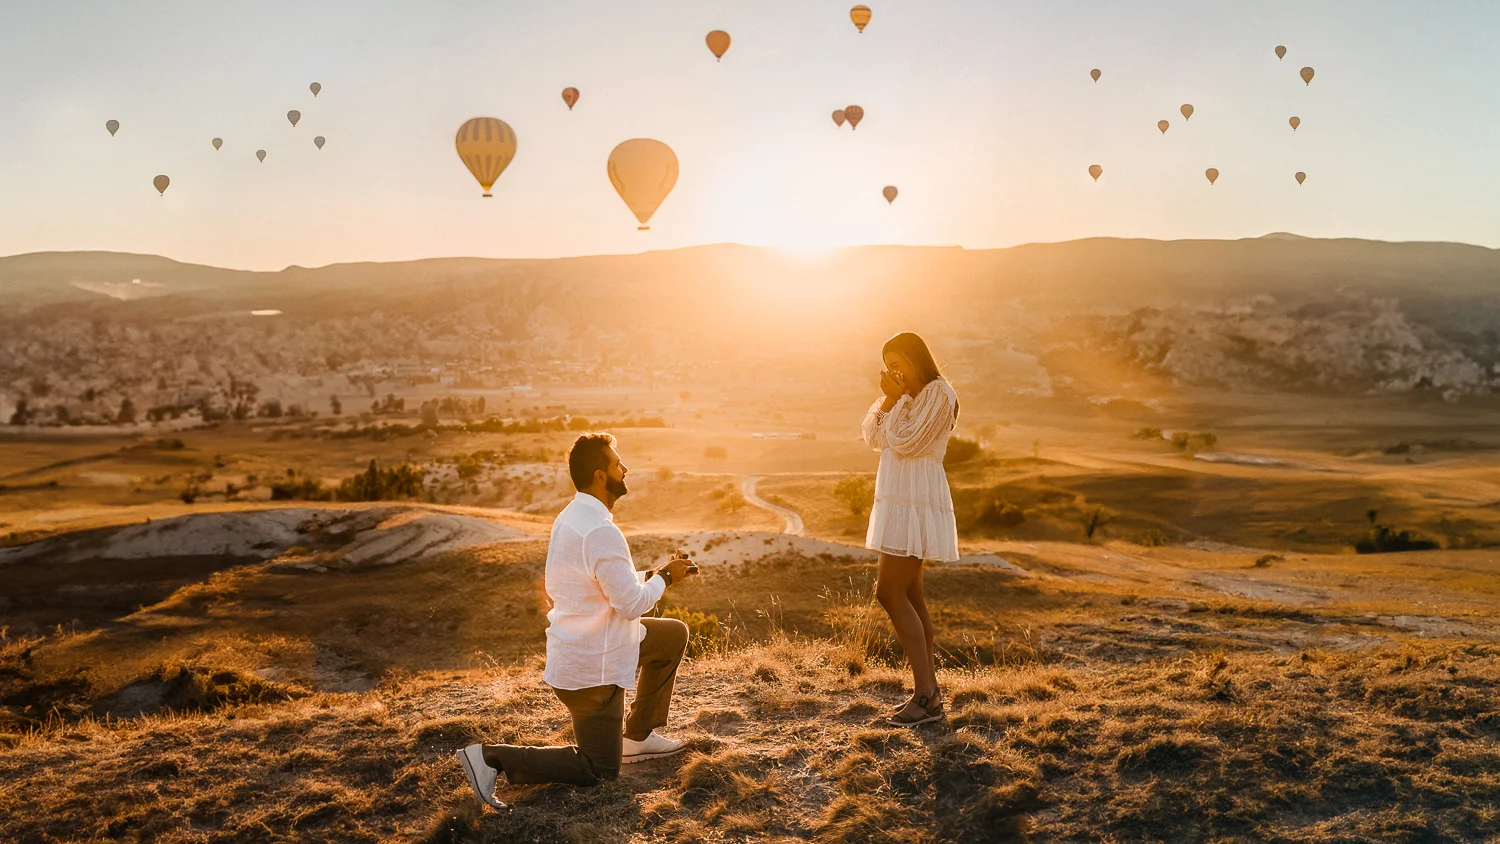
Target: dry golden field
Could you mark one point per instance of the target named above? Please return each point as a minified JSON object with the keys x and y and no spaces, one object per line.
{"x":1212,"y":663}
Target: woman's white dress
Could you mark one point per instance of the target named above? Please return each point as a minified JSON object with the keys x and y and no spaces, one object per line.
{"x":913,"y":512}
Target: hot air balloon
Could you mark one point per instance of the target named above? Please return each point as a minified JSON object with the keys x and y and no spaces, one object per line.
{"x":1162,"y":125}
{"x":487,"y":146}
{"x":113,"y":126}
{"x":315,"y":88}
{"x":570,"y":96}
{"x":1096,"y":74}
{"x":718,"y":43}
{"x":294,"y":115}
{"x":1096,"y":171}
{"x":838,"y":117}
{"x":1307,"y":75}
{"x":1212,"y":174}
{"x":861,"y":17}
{"x":318,"y":142}
{"x":218,"y":142}
{"x":1301,"y":177}
{"x":854,"y":114}
{"x":1187,"y":111}
{"x":1295,"y":121}
{"x":889,"y":193}
{"x":1280,"y":52}
{"x":643,"y":172}
{"x":261,"y":154}
{"x":161,"y":183}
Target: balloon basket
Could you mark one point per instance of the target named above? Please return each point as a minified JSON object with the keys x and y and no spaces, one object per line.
{"x":643,"y":228}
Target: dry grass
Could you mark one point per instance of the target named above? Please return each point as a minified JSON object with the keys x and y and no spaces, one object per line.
{"x":786,"y":743}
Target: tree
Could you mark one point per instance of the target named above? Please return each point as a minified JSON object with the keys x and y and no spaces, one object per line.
{"x":857,"y":492}
{"x":430,"y":414}
{"x":126,"y":414}
{"x":732,"y":502}
{"x":336,"y":405}
{"x":22,"y":414}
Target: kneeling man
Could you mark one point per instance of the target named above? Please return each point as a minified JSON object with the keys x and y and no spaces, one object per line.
{"x":597,"y":642}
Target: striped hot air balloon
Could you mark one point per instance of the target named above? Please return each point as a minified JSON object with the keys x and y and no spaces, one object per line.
{"x":487,"y":146}
{"x":860,"y":15}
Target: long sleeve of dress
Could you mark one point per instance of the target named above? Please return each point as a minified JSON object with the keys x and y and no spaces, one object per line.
{"x":609,"y":556}
{"x":913,"y":425}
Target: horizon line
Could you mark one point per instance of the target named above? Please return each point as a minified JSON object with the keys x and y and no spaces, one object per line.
{"x":809,"y":253}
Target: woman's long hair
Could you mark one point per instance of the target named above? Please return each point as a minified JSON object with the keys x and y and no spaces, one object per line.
{"x":917,"y":352}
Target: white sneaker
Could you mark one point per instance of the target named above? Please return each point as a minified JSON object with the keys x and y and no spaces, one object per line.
{"x":654,"y":747}
{"x":481,"y":776}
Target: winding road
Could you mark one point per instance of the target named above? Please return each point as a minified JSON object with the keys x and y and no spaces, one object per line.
{"x":794,"y":525}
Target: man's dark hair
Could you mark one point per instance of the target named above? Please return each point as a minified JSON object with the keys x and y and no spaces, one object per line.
{"x":587,"y":457}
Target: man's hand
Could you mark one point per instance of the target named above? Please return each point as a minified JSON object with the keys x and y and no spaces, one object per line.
{"x":679,"y":568}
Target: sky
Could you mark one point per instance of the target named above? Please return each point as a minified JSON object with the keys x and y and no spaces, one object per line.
{"x":981,"y":112}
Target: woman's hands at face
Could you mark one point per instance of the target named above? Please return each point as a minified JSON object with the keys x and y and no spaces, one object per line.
{"x":892,"y":384}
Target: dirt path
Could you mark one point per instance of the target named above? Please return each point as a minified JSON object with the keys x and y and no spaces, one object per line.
{"x":794,"y":524}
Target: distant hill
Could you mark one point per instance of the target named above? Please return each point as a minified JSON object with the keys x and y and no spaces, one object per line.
{"x":1107,"y":272}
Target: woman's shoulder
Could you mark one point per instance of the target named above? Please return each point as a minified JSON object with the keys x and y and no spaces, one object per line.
{"x":940,"y":385}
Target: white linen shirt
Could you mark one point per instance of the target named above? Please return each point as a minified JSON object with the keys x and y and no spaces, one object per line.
{"x":594,"y":630}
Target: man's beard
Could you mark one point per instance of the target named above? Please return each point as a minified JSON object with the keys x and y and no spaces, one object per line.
{"x":615,"y":488}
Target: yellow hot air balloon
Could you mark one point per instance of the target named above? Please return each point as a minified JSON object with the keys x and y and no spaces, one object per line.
{"x":1301,"y":177}
{"x":861,"y":17}
{"x":1096,"y":74}
{"x":1096,"y":171}
{"x":1307,"y":75}
{"x":570,"y":96}
{"x":161,"y":183}
{"x":294,"y":115}
{"x":643,"y":172}
{"x":889,"y":193}
{"x":1280,"y":52}
{"x":318,"y":142}
{"x":261,"y":154}
{"x":838,"y":117}
{"x":1187,"y":111}
{"x":1162,"y":125}
{"x":218,"y":142}
{"x":113,"y":126}
{"x":1212,"y":174}
{"x":315,"y":88}
{"x":1295,"y":121}
{"x":487,"y":146}
{"x":718,"y":43}
{"x":854,"y":114}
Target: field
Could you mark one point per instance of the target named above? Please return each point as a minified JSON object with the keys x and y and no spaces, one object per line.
{"x":1146,"y":640}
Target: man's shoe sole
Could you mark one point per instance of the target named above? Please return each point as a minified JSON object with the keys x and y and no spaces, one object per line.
{"x":647,"y":757}
{"x":473,"y":777}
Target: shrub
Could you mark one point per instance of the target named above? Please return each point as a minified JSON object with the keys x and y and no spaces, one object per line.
{"x":302,"y":488}
{"x":1384,"y":539}
{"x":1147,"y":433}
{"x":705,"y":633}
{"x":378,"y":484}
{"x":961,"y":450}
{"x":857,"y":492}
{"x":994,"y":512}
{"x":732,"y":502}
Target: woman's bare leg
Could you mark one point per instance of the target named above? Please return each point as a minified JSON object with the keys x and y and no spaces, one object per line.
{"x":892,"y":590}
{"x":919,"y":603}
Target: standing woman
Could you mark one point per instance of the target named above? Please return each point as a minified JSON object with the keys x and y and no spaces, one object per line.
{"x":912,"y":519}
